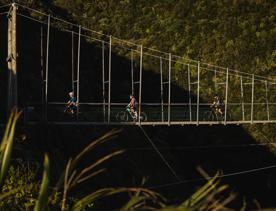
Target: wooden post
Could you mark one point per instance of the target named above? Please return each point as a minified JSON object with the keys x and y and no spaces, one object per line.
{"x":11,"y":60}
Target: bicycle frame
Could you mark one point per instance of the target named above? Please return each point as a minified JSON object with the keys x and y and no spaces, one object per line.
{"x":130,"y":112}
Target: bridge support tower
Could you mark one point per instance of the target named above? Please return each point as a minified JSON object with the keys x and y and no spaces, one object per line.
{"x":11,"y":59}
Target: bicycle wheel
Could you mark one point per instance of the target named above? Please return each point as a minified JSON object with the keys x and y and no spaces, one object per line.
{"x":228,"y":117}
{"x":143,"y":116}
{"x":208,"y":116}
{"x":122,"y":116}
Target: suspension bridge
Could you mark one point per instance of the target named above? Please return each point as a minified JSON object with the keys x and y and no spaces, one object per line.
{"x":45,"y":57}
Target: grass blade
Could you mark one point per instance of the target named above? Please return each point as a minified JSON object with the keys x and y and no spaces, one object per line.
{"x":112,"y":191}
{"x":42,"y":201}
{"x":7,"y":144}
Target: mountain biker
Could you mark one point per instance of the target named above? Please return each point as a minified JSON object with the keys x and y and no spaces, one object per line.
{"x":217,"y":105}
{"x":72,"y":103}
{"x":133,"y":106}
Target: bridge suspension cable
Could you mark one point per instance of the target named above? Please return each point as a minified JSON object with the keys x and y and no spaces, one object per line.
{"x":160,"y":154}
{"x":232,"y":174}
{"x":237,"y":146}
{"x":231,"y":71}
{"x":6,"y":5}
{"x":150,"y":49}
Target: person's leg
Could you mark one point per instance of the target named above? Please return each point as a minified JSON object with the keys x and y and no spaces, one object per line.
{"x":135,"y":113}
{"x":220,"y":110}
{"x":72,"y":109}
{"x":132,"y":111}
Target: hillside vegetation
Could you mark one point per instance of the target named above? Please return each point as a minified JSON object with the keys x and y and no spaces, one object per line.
{"x":237,"y":34}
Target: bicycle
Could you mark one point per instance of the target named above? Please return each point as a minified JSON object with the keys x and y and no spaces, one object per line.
{"x":70,"y":110}
{"x":214,"y":115}
{"x":127,"y":115}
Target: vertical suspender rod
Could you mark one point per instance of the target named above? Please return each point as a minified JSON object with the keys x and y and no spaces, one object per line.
{"x":252,"y":99}
{"x":109,"y":78}
{"x":132,"y":73}
{"x":226,"y":96}
{"x":42,"y":69}
{"x":169,"y":89}
{"x":140,"y":84}
{"x":216,"y":88}
{"x":103,"y":80}
{"x":78,"y":73}
{"x":73,"y":68}
{"x":47,"y":67}
{"x":161,"y":89}
{"x":267,"y":102}
{"x":242,"y":100}
{"x":189,"y":90}
{"x":198,"y":87}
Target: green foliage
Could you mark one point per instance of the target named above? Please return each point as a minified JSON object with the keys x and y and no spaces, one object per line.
{"x":20,"y":188}
{"x":141,"y":195}
{"x":208,"y":197}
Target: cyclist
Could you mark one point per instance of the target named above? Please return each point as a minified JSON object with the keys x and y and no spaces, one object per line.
{"x":133,"y":106}
{"x":71,"y":104}
{"x":217,"y":105}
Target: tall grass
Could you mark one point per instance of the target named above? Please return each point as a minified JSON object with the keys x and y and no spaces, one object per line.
{"x":7,"y":144}
{"x":41,"y":203}
{"x":207,"y":197}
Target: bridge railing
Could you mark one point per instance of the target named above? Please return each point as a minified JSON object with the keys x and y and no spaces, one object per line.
{"x":94,"y":113}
